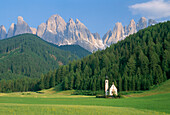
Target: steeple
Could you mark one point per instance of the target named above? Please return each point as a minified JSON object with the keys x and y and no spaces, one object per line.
{"x":106,"y":85}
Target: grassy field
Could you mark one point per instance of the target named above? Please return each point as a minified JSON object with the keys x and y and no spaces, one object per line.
{"x":156,"y":101}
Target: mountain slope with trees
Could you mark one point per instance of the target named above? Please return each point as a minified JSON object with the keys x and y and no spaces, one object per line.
{"x":136,"y":63}
{"x":28,"y":55}
{"x":75,"y":49}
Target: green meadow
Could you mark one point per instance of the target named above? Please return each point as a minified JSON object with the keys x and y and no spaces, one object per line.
{"x":153,"y":102}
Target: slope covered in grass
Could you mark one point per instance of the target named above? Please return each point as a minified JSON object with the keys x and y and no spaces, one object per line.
{"x":159,"y":89}
{"x":33,"y":109}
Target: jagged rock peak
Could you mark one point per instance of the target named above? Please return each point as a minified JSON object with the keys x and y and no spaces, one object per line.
{"x":56,"y":17}
{"x":20,"y":19}
{"x":108,"y":37}
{"x":96,"y":35}
{"x":11,"y":30}
{"x":55,"y":24}
{"x":71,"y":21}
{"x":125,"y":30}
{"x":22,"y":27}
{"x":12,"y":25}
{"x":131,"y":27}
{"x":142,"y":23}
{"x":2,"y":32}
{"x":3,"y":27}
{"x":118,"y":26}
{"x":34,"y":30}
{"x":80,"y":25}
{"x":151,"y":22}
{"x":118,"y":30}
{"x":132,"y":22}
{"x":41,"y":29}
{"x":77,"y":21}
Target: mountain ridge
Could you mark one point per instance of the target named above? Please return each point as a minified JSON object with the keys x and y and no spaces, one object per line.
{"x":57,"y":31}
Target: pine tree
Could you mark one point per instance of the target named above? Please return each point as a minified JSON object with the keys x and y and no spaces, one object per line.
{"x":143,"y":63}
{"x":77,"y":81}
{"x":94,"y":84}
{"x":41,"y":86}
{"x":52,"y":80}
{"x":131,"y":65}
{"x":138,"y":84}
{"x":120,"y":84}
{"x":133,"y":83}
{"x":125,"y":84}
{"x":71,"y":81}
{"x":65,"y":83}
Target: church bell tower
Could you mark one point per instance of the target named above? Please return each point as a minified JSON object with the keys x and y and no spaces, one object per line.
{"x":106,"y":86}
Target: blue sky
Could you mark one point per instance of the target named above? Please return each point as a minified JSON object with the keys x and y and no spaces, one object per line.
{"x":98,"y":15}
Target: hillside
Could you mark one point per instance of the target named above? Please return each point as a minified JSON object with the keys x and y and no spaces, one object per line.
{"x":75,"y":49}
{"x":136,"y":63}
{"x":28,"y":55}
{"x":163,"y":88}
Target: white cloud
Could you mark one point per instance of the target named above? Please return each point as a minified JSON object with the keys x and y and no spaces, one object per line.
{"x":154,"y":9}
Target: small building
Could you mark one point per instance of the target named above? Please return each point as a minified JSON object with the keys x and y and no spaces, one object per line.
{"x":112,"y":90}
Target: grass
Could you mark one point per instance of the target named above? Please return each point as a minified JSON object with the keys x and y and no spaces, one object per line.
{"x":17,"y":109}
{"x":159,"y":89}
{"x":156,"y":101}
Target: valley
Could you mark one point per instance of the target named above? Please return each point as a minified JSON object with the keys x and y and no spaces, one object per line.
{"x":85,"y":57}
{"x":62,"y":102}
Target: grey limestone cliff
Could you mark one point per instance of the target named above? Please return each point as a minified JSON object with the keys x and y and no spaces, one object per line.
{"x":2,"y":32}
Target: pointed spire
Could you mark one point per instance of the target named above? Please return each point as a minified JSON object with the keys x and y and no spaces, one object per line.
{"x":11,"y":30}
{"x":77,"y":21}
{"x":2,"y":32}
{"x":20,"y":19}
{"x":71,"y":20}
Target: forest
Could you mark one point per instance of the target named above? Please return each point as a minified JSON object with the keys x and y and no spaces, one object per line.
{"x":28,"y":55}
{"x":136,"y":63}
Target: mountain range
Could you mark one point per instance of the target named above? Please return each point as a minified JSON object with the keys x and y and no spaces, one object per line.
{"x":58,"y":32}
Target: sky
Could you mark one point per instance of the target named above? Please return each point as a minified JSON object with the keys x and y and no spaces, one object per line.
{"x":97,"y":15}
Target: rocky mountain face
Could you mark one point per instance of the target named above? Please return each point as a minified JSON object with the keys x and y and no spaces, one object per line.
{"x":21,"y":27}
{"x":114,"y":36}
{"x":151,"y":22}
{"x":58,"y":32}
{"x":131,"y":28}
{"x":2,"y":32}
{"x":119,"y":32}
{"x":11,"y":30}
{"x":142,"y":23}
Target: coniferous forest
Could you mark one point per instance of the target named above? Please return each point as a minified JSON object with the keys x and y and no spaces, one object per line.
{"x":25,"y":57}
{"x":136,"y":63}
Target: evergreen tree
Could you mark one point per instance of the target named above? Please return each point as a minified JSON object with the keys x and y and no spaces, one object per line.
{"x":131,"y":65}
{"x":41,"y":86}
{"x":120,"y":84}
{"x":65,"y":83}
{"x":52,"y":80}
